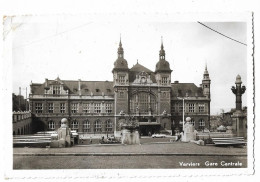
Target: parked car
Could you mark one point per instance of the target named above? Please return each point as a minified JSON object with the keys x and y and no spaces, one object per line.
{"x":158,"y":135}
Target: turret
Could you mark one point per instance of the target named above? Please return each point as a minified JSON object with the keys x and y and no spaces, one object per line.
{"x":162,"y":69}
{"x":120,"y":70}
{"x":206,"y":83}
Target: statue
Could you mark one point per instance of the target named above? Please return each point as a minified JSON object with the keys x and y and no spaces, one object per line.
{"x":64,"y":134}
{"x":188,"y":131}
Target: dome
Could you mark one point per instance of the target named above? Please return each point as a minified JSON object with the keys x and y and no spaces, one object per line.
{"x":120,"y":64}
{"x":163,"y":66}
{"x":238,"y":79}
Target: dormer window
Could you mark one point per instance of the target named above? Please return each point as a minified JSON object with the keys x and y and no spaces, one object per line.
{"x":56,"y":90}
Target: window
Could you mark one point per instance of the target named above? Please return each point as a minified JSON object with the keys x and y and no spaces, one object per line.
{"x":181,"y":108}
{"x":75,"y":125}
{"x":97,"y":90}
{"x":121,"y":79}
{"x":144,"y":101}
{"x":191,"y":107}
{"x":108,"y":108}
{"x":173,"y":108}
{"x":56,"y":90}
{"x":51,"y":125}
{"x":86,"y":126}
{"x":97,"y":126}
{"x":201,"y":108}
{"x":50,"y":107}
{"x":74,"y":108}
{"x":62,"y":107}
{"x":201,"y":124}
{"x":192,"y":122}
{"x":109,"y":125}
{"x":164,"y":80}
{"x":38,"y":107}
{"x":86,"y":108}
{"x":97,"y":108}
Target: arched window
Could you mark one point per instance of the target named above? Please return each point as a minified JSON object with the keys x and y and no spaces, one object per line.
{"x":51,"y":125}
{"x":18,"y":132}
{"x":201,"y":124}
{"x":97,"y":126}
{"x":109,"y":125}
{"x":86,"y":126}
{"x":192,"y":122}
{"x":144,"y":101}
{"x":75,"y":125}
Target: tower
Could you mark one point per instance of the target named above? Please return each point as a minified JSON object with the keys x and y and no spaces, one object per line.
{"x":120,"y":84}
{"x":162,"y":70}
{"x":163,"y":80}
{"x":206,"y":83}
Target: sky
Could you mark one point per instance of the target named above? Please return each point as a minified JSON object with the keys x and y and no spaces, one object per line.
{"x":79,"y":47}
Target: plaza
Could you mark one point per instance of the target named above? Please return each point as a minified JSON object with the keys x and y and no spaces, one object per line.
{"x":151,"y":153}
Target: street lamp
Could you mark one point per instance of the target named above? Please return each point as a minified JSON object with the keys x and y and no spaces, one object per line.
{"x":183,"y":109}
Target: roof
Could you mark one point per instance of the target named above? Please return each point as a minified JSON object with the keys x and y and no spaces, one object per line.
{"x":120,"y":64}
{"x":181,"y":89}
{"x":96,"y":87}
{"x":163,"y":66}
{"x":136,"y":69}
{"x":139,"y":68}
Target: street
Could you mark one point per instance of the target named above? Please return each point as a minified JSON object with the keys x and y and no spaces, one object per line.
{"x":121,"y":162}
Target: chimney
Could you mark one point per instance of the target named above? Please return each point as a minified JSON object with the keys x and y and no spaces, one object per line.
{"x":46,"y":83}
{"x":176,"y":81}
{"x":79,"y":89}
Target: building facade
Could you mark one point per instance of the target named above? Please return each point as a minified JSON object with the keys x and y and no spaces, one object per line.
{"x":97,"y":106}
{"x":22,"y":123}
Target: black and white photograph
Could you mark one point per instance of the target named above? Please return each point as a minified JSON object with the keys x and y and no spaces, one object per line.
{"x":127,"y":92}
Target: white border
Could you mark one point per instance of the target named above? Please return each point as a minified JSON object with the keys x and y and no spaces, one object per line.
{"x":115,"y":173}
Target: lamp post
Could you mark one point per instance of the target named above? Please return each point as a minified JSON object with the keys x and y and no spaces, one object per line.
{"x":183,"y":109}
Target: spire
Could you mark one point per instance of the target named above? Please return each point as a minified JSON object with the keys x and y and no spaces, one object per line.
{"x":120,"y":51}
{"x":161,"y":42}
{"x":206,"y":73}
{"x":162,"y":52}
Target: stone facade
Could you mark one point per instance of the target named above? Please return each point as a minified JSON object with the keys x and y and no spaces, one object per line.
{"x":22,"y":123}
{"x":95,"y":106}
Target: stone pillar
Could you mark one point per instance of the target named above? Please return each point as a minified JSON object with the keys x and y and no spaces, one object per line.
{"x":239,"y":122}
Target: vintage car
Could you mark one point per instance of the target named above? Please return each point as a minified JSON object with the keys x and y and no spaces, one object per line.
{"x":158,"y":135}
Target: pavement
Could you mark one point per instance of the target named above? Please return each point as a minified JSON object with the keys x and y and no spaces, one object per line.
{"x":150,"y":154}
{"x":149,"y":147}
